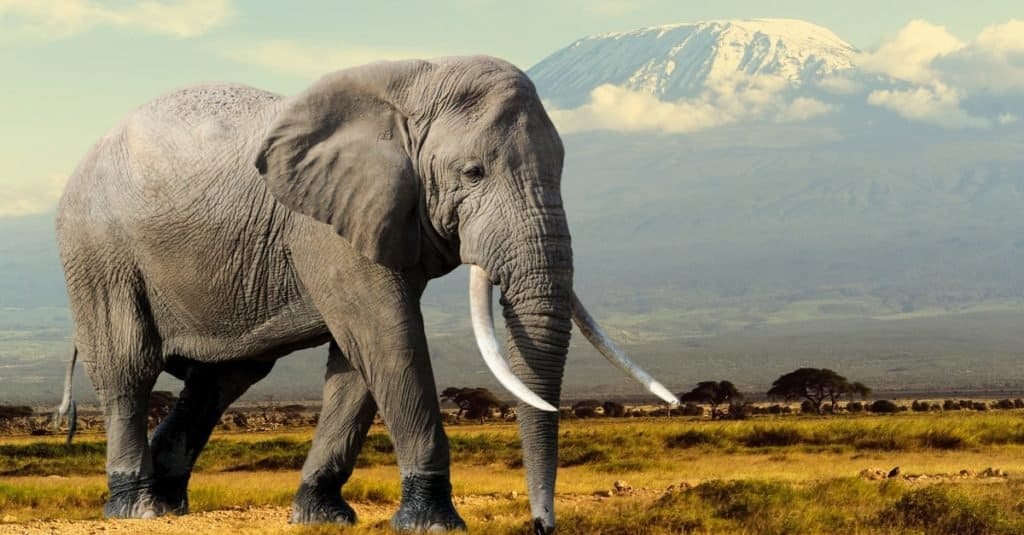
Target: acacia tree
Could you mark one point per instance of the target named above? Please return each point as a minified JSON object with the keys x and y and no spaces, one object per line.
{"x":714,"y":394}
{"x":815,"y":385}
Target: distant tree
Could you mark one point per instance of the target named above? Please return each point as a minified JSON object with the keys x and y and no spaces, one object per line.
{"x":9,"y":412}
{"x":714,"y":394}
{"x":858,"y":388}
{"x":815,"y":385}
{"x":586,"y":408}
{"x":476,"y":403}
{"x":614,"y":409}
{"x":884,"y":406}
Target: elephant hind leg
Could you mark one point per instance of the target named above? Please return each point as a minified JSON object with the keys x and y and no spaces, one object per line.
{"x":120,"y":350}
{"x":179,"y":439}
{"x":345,"y":418}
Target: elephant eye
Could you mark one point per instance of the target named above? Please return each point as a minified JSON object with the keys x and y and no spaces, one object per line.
{"x":473,"y":171}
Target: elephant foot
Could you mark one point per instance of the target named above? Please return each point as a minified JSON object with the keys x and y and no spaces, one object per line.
{"x":173,"y":491}
{"x":321,"y":503}
{"x":132,"y":496}
{"x":427,"y":505}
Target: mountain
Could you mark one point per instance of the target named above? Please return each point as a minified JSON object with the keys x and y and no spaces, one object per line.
{"x":679,"y":61}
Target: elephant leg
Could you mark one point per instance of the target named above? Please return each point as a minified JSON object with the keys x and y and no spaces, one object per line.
{"x":120,"y":351}
{"x":180,"y":437}
{"x":377,"y":324}
{"x":346,"y":416}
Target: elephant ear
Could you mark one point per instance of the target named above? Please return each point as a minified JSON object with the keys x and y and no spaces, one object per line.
{"x":338,"y":153}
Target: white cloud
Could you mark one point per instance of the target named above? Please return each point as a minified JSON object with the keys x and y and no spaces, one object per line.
{"x":1002,"y":39}
{"x":312,"y":59}
{"x":993,"y":62}
{"x":44,"y":20}
{"x":909,"y":55}
{"x":1006,"y":118}
{"x":726,"y":101}
{"x":938,"y":104}
{"x":25,"y":197}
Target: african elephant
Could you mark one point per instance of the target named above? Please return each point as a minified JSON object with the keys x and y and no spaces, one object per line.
{"x":220,"y":227}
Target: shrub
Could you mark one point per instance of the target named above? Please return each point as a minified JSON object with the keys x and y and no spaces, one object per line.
{"x":943,"y":440}
{"x":939,"y":512}
{"x":884,"y":406}
{"x":691,"y":409}
{"x":855,"y":406}
{"x":760,"y":437}
{"x":980,"y":406}
{"x":919,"y":406}
{"x":1004,"y":404}
{"x":739,"y":411}
{"x":950,"y":405}
{"x":966,"y":404}
{"x":14,"y":411}
{"x":808,"y":408}
{"x":690,"y":439}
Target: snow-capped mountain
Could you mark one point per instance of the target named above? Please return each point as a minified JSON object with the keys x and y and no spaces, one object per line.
{"x":678,"y":61}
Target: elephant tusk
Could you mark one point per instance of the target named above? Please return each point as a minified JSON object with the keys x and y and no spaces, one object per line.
{"x":482,"y":315}
{"x":593,"y":333}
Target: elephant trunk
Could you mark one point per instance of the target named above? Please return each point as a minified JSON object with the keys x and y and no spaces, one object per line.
{"x":537,"y":305}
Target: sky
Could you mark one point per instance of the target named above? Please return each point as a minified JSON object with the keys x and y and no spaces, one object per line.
{"x":70,"y":69}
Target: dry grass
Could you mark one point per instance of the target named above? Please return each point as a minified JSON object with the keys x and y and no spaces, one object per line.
{"x":783,"y":475}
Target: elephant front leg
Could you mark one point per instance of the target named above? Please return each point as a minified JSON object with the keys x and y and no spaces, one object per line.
{"x":346,"y":416}
{"x":380,"y":329}
{"x":402,"y":382}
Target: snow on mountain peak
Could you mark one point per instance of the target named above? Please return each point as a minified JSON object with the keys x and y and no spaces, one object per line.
{"x":678,"y":61}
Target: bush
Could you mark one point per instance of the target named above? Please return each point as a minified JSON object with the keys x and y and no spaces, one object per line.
{"x":937,"y":511}
{"x":1004,"y":404}
{"x":739,"y":411}
{"x":1018,"y":403}
{"x":966,"y":404}
{"x":690,"y":439}
{"x":950,"y":405}
{"x":760,"y":437}
{"x":8,"y":412}
{"x":980,"y":406}
{"x":919,"y":406}
{"x":943,"y":440}
{"x":808,"y":408}
{"x":884,"y":406}
{"x":855,"y":406}
{"x":691,"y":409}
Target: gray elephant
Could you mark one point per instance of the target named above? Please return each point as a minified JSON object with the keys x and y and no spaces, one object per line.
{"x":182,"y":256}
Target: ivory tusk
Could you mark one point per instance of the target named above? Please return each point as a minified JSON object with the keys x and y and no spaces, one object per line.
{"x":481,"y":313}
{"x":593,"y":333}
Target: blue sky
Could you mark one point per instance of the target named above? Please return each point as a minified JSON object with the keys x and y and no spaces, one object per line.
{"x":72,"y":68}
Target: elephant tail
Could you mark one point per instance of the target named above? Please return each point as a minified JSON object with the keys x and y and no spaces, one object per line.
{"x":67,"y":403}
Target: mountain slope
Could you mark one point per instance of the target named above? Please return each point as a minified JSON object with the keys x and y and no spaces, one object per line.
{"x":681,"y":60}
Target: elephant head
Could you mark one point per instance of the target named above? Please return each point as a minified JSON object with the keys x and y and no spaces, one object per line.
{"x":427,"y":165}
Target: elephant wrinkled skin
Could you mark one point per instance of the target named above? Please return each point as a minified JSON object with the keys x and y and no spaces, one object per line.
{"x":220,"y":227}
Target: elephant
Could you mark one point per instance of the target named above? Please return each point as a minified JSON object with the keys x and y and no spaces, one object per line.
{"x":220,"y":227}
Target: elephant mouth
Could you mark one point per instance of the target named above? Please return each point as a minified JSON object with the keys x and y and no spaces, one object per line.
{"x":482,"y":316}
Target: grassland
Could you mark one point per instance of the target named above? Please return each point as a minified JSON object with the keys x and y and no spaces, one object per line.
{"x":774,"y":476}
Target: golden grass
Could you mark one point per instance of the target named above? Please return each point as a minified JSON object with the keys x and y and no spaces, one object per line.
{"x":780,"y":475}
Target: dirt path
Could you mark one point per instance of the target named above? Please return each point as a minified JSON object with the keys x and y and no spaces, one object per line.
{"x":258,"y":520}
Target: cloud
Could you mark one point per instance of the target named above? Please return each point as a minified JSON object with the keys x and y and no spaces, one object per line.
{"x":306,"y":59}
{"x":1006,"y":118}
{"x":942,"y":71}
{"x":726,"y":101}
{"x":938,"y":104}
{"x":46,"y":20}
{"x":993,"y":62}
{"x":24,"y":197}
{"x":909,"y":55}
